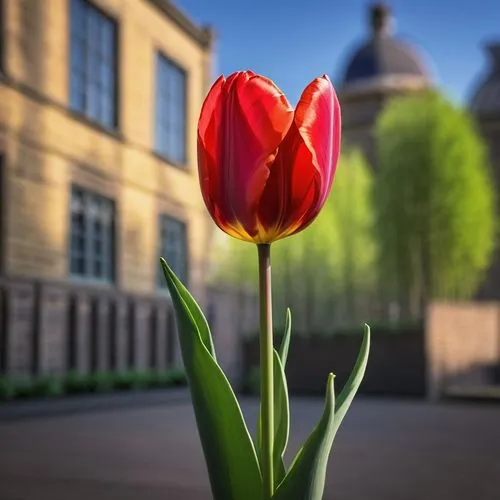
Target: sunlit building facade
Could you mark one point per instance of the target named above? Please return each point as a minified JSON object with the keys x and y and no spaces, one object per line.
{"x":99,"y":101}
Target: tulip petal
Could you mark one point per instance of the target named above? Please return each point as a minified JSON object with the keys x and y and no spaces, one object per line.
{"x":290,"y":188}
{"x":256,"y":117}
{"x":209,"y":164}
{"x":319,"y":122}
{"x":208,"y":141}
{"x":207,"y":128}
{"x":302,"y":173}
{"x":317,"y":112}
{"x":265,"y":170}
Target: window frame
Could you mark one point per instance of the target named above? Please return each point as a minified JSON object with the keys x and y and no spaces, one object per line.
{"x":109,"y":242}
{"x":161,"y":284}
{"x":162,"y":56}
{"x":84,"y":114}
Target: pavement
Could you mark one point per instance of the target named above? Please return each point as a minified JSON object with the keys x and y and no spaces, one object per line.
{"x":387,"y":450}
{"x":69,"y":405}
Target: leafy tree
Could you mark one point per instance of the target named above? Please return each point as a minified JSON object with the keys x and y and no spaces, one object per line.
{"x":327,"y":269}
{"x":434,"y":200}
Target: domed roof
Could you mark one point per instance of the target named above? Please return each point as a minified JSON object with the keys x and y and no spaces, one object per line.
{"x":486,"y":99}
{"x":383,"y":55}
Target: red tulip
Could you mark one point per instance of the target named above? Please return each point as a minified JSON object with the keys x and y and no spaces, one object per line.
{"x":266,"y":169}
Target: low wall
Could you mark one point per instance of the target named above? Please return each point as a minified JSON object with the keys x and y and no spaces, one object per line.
{"x":397,"y":365}
{"x":51,"y":328}
{"x":462,"y":345}
{"x":459,"y":348}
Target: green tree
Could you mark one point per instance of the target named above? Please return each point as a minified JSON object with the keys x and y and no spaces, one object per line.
{"x":434,"y":200}
{"x":325,"y":270}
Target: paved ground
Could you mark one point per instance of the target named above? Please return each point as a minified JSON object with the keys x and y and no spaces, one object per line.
{"x":385,"y":450}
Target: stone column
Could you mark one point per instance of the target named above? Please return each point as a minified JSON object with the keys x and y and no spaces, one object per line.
{"x":51,"y":330}
{"x":141,"y":332}
{"x":79,"y":333}
{"x":19,"y":310}
{"x":100,"y":334}
{"x":120,"y":333}
{"x":160,"y":337}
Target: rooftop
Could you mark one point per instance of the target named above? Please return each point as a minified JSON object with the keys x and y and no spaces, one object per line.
{"x":203,"y":35}
{"x":382,"y":55}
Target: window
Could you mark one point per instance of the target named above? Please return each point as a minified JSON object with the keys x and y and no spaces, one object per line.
{"x":92,"y":236}
{"x":170,"y":111}
{"x":93,"y":64}
{"x":173,"y":248}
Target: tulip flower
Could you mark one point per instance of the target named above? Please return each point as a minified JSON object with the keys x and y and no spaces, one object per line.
{"x":265,"y":172}
{"x":266,"y":169}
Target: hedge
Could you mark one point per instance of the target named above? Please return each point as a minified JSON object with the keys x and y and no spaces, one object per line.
{"x":78,"y":383}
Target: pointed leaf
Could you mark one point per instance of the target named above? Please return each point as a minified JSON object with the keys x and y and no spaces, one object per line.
{"x":197,"y":313}
{"x":285,"y":343}
{"x":281,"y":419}
{"x":306,"y":477}
{"x":350,"y":388}
{"x":229,"y":452}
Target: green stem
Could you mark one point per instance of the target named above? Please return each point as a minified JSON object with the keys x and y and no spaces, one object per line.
{"x":266,"y":369}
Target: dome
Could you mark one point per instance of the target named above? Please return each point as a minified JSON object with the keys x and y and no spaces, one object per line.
{"x":383,"y":55}
{"x":486,"y":99}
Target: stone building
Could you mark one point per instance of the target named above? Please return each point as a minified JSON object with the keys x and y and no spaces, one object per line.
{"x":99,"y":101}
{"x":384,"y":66}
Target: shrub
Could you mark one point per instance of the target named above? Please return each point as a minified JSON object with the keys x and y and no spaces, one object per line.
{"x":46,"y":386}
{"x":76,"y":383}
{"x":79,"y":383}
{"x":435,"y":202}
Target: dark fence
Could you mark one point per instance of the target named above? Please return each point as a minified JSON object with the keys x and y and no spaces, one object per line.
{"x":52,"y":328}
{"x":396,"y":367}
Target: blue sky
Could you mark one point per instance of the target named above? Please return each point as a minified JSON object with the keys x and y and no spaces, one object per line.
{"x":293,"y":41}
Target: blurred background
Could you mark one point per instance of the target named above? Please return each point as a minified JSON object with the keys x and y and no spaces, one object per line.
{"x":99,"y":102}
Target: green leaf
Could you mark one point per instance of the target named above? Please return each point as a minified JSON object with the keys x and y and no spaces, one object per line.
{"x":281,"y":405}
{"x":353,"y":382}
{"x":285,"y":344}
{"x":229,"y":452}
{"x":195,"y":311}
{"x":281,"y":420}
{"x":306,"y":477}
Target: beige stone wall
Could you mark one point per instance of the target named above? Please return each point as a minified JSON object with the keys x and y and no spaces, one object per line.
{"x":48,"y":147}
{"x":462,"y":339}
